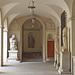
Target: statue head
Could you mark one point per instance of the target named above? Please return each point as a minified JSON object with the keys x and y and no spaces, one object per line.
{"x":13,"y":36}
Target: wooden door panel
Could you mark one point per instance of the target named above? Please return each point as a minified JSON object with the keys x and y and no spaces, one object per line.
{"x":50,"y":47}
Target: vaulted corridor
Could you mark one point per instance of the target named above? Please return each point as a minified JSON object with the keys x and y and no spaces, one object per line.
{"x":31,"y":68}
{"x":32,"y":32}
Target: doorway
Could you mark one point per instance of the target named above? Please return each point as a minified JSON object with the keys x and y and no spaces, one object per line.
{"x":50,"y":48}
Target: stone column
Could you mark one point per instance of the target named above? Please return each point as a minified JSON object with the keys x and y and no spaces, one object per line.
{"x":5,"y":39}
{"x":1,"y":45}
{"x":59,"y":37}
{"x":1,"y":40}
{"x":55,"y":56}
{"x":44,"y":45}
{"x":58,"y":60}
{"x":55,"y":53}
{"x":58,"y":54}
{"x":56,"y":63}
{"x":73,"y":44}
{"x":5,"y":45}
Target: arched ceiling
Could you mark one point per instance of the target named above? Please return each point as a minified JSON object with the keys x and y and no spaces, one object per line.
{"x":12,"y":9}
{"x":28,"y":24}
{"x":69,"y":4}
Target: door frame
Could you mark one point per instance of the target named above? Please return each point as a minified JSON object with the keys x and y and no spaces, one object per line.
{"x":47,"y":47}
{"x":50,"y":37}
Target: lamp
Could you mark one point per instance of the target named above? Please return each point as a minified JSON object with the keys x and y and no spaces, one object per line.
{"x":31,"y":7}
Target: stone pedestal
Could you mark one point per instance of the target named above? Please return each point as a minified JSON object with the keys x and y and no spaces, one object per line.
{"x":13,"y":55}
{"x":64,"y":62}
{"x":73,"y":65}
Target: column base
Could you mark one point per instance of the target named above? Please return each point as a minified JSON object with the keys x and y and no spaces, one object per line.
{"x":55,"y":63}
{"x":61,"y":71}
{"x":57,"y":66}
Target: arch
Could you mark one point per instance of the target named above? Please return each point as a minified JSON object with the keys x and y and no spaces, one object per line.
{"x":62,"y":4}
{"x":43,"y":42}
{"x":50,"y":46}
{"x":11,"y":17}
{"x":7,"y":8}
{"x":50,"y":37}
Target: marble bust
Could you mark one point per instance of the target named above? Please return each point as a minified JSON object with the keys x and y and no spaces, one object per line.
{"x":13,"y":42}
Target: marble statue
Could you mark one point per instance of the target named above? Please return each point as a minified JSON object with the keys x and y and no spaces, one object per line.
{"x":65,"y":39}
{"x":31,"y":40}
{"x":13,"y":42}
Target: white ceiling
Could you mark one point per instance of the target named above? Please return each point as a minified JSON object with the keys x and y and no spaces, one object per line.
{"x":48,"y":8}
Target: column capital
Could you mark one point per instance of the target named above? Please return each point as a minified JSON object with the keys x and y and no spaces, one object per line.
{"x":5,"y":30}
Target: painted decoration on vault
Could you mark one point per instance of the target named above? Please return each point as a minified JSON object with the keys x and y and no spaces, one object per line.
{"x":31,"y":40}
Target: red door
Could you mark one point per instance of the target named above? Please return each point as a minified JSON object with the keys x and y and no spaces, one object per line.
{"x":50,"y":47}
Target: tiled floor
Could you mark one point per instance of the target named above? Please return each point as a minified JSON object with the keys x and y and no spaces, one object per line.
{"x":30,"y":68}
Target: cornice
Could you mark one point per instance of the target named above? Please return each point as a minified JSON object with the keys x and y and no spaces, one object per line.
{"x":5,"y":30}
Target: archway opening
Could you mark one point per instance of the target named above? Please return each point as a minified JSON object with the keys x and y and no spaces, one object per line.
{"x":32,"y":41}
{"x":50,"y":46}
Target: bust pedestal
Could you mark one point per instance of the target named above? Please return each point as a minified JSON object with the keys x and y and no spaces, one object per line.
{"x":13,"y":55}
{"x":64,"y":62}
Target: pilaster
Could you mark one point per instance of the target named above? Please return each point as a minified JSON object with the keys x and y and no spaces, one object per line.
{"x":1,"y":45}
{"x":73,"y":45}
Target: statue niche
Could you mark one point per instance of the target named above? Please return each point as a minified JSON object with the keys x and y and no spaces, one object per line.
{"x":31,"y":40}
